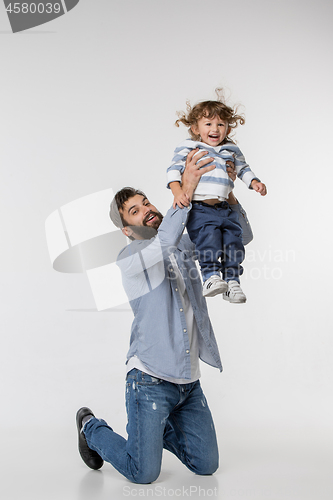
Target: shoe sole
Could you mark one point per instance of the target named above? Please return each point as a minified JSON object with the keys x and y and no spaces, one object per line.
{"x":242,"y":301}
{"x":82,"y":441}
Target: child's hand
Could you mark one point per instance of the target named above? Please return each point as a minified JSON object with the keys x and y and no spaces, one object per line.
{"x":259,"y":187}
{"x":181,"y":199}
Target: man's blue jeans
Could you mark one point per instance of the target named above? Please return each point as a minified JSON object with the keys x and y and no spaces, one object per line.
{"x":160,"y":415}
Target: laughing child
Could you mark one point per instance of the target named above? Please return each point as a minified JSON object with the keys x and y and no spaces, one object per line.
{"x":214,"y":222}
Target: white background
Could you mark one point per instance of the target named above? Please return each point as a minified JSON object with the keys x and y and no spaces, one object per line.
{"x":88,"y":102}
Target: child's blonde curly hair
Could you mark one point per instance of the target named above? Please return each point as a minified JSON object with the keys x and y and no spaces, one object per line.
{"x":210,"y":109}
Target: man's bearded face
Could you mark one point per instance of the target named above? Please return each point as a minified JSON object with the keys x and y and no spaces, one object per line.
{"x":141,"y":217}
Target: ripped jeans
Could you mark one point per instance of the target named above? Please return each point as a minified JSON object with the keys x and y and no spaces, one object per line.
{"x":160,"y":415}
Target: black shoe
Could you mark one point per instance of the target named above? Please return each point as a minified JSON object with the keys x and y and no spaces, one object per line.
{"x":90,"y":457}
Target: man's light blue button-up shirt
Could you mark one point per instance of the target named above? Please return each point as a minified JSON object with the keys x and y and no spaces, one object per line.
{"x":159,"y":335}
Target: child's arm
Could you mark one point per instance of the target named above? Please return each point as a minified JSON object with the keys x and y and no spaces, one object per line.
{"x":244,"y":172}
{"x":180,"y":198}
{"x":259,"y":187}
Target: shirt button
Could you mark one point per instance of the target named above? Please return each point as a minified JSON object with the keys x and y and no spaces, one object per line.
{"x":187,"y":351}
{"x":176,"y":289}
{"x":181,"y":310}
{"x":183,"y":223}
{"x":185,"y":330}
{"x":171,"y":270}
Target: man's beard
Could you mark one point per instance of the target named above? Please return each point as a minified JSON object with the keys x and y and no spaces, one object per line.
{"x":146,"y":232}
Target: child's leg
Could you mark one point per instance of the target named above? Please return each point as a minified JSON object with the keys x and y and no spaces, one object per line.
{"x":204,"y":230}
{"x":247,"y":235}
{"x":233,"y":248}
{"x":233,"y":256}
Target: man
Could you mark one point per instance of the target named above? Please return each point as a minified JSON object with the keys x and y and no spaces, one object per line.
{"x":165,"y":404}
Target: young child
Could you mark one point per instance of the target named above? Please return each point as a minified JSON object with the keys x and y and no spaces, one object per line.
{"x":213,"y":226}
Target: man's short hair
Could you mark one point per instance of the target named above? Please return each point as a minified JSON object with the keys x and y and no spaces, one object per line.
{"x":118,"y":202}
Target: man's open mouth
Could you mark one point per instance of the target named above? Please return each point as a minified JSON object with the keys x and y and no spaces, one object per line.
{"x":149,"y":218}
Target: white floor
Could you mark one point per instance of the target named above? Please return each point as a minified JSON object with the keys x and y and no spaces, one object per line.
{"x":45,"y":465}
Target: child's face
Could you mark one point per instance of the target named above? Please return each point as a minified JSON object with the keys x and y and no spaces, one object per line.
{"x":212,"y":131}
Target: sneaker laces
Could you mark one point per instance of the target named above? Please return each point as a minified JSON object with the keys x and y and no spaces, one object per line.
{"x":234,"y":287}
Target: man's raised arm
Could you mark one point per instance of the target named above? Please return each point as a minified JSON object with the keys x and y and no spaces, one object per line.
{"x":144,"y":254}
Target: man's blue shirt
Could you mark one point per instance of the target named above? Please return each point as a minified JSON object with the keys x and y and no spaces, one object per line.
{"x":159,"y":333}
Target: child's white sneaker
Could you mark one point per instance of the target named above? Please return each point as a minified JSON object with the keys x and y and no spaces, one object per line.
{"x":234,"y":294}
{"x":214,"y":285}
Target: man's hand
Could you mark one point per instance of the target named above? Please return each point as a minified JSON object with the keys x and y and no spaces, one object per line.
{"x":193,"y":171}
{"x":259,"y":187}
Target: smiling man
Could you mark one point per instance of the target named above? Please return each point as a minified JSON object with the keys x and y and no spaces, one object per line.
{"x":171,"y":331}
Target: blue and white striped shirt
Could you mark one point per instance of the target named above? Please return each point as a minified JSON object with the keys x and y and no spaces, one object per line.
{"x":216,"y":183}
